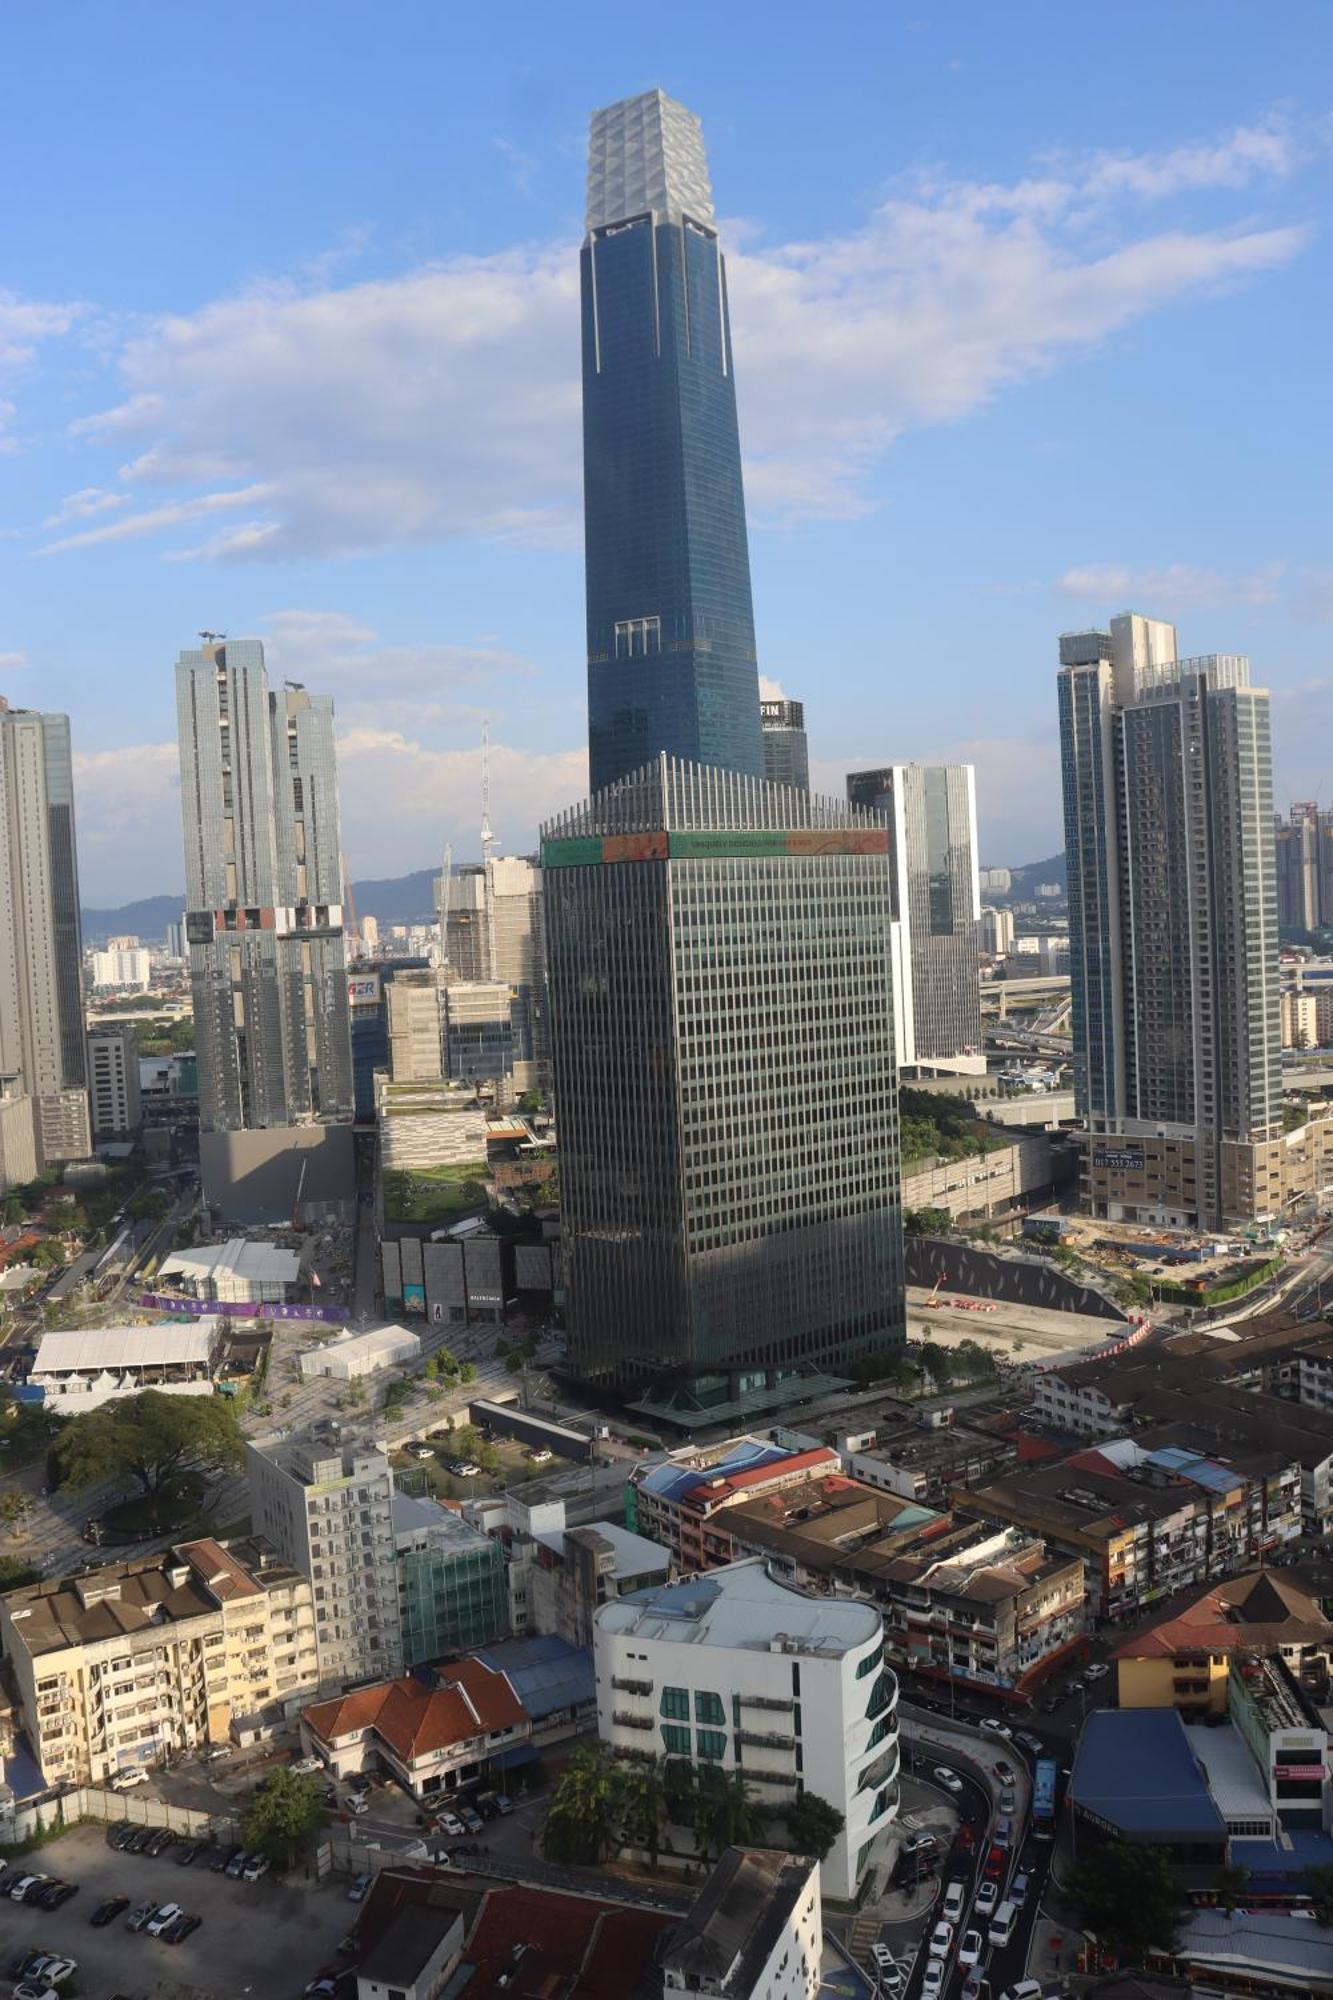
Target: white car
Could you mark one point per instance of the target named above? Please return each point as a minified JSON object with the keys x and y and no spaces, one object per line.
{"x":933,"y":1978}
{"x":990,"y":1727}
{"x":1026,"y":1989}
{"x":125,"y":1781}
{"x":1097,"y":1671}
{"x":970,"y":1948}
{"x":452,"y":1825}
{"x":1008,"y":1799}
{"x":358,"y":1806}
{"x":883,"y":1957}
{"x":307,"y":1764}
{"x":941,"y":1940}
{"x":987,"y":1896}
{"x":256,"y":1868}
{"x":949,"y":1779}
{"x":166,"y":1915}
{"x":955,"y":1898}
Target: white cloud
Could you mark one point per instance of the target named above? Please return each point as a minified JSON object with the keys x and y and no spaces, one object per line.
{"x":435,"y":796}
{"x":127,"y":803}
{"x":445,"y":402}
{"x":81,"y":506}
{"x":25,"y":324}
{"x":1018,"y":788}
{"x":1177,"y":586}
{"x":13,"y":663}
{"x":128,"y":527}
{"x":770,"y":690}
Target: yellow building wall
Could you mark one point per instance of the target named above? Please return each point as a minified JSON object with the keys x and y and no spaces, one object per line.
{"x":1151,"y":1684}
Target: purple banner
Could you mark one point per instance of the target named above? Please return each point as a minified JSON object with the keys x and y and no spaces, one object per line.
{"x":210,"y":1309}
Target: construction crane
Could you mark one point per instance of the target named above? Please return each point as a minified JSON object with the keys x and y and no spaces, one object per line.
{"x":446,"y":898}
{"x":487,"y":837}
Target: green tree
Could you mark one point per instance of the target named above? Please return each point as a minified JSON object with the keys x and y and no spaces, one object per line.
{"x":516,"y":1361}
{"x":466,"y":1442}
{"x":813,"y":1824}
{"x":726,"y":1813}
{"x":678,"y":1788}
{"x":644,"y":1805}
{"x":283,"y":1816}
{"x":15,"y":1573}
{"x":446,"y":1361}
{"x":1318,"y":1886}
{"x":584,"y":1814}
{"x":47,"y":1256}
{"x":937,"y":1363}
{"x":11,"y":1214}
{"x":467,"y":1373}
{"x":927,"y":1222}
{"x":1232,"y":1883}
{"x":1130,"y":1898}
{"x":152,"y":1439}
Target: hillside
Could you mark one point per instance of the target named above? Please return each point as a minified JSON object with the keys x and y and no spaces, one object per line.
{"x":396,"y":899}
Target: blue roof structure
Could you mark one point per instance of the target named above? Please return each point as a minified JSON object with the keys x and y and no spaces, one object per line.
{"x":671,"y":1481}
{"x":1275,"y":1868}
{"x":546,"y":1672}
{"x":1205,"y":1472}
{"x":1135,"y":1774}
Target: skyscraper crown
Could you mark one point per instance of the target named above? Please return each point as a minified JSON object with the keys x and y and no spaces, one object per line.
{"x":647,"y":153}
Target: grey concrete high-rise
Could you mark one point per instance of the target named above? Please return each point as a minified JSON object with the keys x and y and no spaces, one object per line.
{"x":42,"y":1046}
{"x":722,"y":1014}
{"x":263,"y":885}
{"x":786,"y":752}
{"x":932,"y":816}
{"x":1300,"y":846}
{"x":1173,"y":927}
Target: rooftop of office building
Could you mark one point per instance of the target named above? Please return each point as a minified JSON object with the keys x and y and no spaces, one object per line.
{"x":125,"y":1599}
{"x":727,"y":1940}
{"x":1135,"y":1772}
{"x":742,"y":1607}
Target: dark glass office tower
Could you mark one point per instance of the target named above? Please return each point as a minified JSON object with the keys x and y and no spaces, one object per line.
{"x":722,"y":1012}
{"x":671,"y":652}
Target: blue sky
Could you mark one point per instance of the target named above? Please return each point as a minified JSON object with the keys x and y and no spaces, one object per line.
{"x":1030,"y":307}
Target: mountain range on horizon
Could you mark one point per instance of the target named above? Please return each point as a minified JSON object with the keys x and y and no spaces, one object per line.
{"x":398,"y":899}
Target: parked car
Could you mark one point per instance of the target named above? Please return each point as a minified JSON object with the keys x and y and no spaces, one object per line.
{"x":949,"y":1779}
{"x":256,"y":1868}
{"x":1032,"y":1744}
{"x":1018,"y":1890}
{"x":189,"y":1853}
{"x":941,"y":1940}
{"x":117,"y":1836}
{"x":452,"y":1825}
{"x":539,"y":1455}
{"x":471,"y":1820}
{"x":184,"y":1926}
{"x":160,"y":1842}
{"x":973,"y":1984}
{"x":358,"y":1805}
{"x":955,"y":1901}
{"x":137,"y":1918}
{"x":990,"y":1727}
{"x":165,"y":1916}
{"x":56,"y":1894}
{"x":503,"y":1805}
{"x":1004,"y":1832}
{"x":487,"y":1805}
{"x":139,"y":1839}
{"x":220,"y":1860}
{"x":1097,"y":1671}
{"x":308,"y":1764}
{"x":237,"y":1863}
{"x":125,"y":1781}
{"x":1004,"y":1772}
{"x":933,"y":1978}
{"x":19,"y":1892}
{"x":1008,"y":1800}
{"x":357,"y":1890}
{"x":970,"y":1948}
{"x":1026,"y":1989}
{"x":216,"y":1755}
{"x":35,"y":1989}
{"x":26,"y":1963}
{"x":107,"y":1912}
{"x":987,"y":1896}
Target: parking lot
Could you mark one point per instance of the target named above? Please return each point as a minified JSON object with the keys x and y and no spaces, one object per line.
{"x":264,"y":1938}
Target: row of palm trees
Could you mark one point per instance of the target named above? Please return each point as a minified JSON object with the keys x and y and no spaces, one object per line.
{"x":603,"y":1803}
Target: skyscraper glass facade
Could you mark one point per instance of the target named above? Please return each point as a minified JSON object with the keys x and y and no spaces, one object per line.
{"x":786,"y":752}
{"x":723,"y":1021}
{"x":671,"y":648}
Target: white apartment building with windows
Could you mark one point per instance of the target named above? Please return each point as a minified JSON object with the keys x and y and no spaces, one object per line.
{"x":738,"y":1670}
{"x":122,"y":1666}
{"x":113,"y":1082}
{"x":328,"y":1508}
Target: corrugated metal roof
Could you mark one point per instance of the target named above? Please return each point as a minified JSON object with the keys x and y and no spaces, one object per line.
{"x":546,"y":1673}
{"x":88,"y":1350}
{"x":1136,"y":1771}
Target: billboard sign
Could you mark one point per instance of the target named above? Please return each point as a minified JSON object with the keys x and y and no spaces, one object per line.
{"x":1120,"y":1160}
{"x":363,"y":989}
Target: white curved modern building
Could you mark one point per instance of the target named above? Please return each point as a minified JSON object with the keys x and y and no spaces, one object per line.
{"x":737,"y":1669}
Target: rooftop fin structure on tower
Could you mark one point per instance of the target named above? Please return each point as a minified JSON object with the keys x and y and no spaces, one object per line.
{"x":646,"y":155}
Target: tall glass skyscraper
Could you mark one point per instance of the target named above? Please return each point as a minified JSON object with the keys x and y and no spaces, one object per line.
{"x":671,"y":650}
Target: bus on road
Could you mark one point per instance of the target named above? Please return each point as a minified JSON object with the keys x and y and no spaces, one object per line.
{"x":1044,"y":1780}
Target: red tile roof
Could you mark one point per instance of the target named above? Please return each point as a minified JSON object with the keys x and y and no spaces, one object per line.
{"x":415,"y":1721}
{"x":544,"y":1942}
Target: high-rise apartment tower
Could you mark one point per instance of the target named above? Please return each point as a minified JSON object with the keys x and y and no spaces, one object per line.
{"x":263,"y":886}
{"x":43,"y":1053}
{"x":1168,"y":805}
{"x":932,"y":814}
{"x":671,"y":650}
